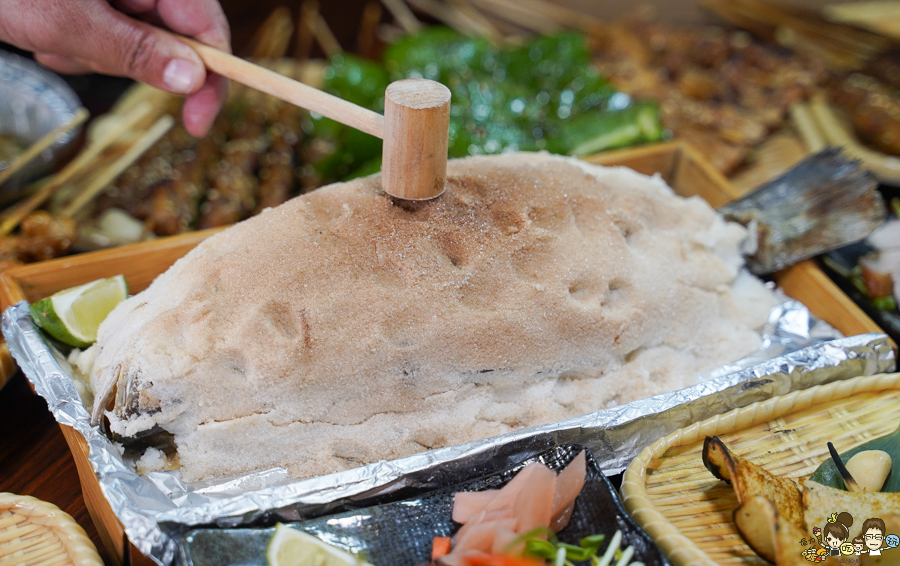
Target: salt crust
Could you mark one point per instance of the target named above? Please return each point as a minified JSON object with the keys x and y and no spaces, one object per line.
{"x":343,"y":328}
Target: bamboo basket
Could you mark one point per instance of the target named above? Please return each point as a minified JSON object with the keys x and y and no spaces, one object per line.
{"x":34,"y":532}
{"x":688,"y":512}
{"x":676,"y":162}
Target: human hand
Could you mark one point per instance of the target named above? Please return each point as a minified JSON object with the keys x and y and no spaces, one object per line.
{"x":104,"y":36}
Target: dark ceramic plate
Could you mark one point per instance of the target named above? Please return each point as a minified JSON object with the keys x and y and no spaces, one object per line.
{"x":846,"y":259}
{"x":401,"y":533}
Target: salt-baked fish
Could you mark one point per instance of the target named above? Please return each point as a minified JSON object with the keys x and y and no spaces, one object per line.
{"x":344,"y":327}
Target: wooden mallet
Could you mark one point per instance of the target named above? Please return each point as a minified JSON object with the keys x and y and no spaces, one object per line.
{"x":415,"y":125}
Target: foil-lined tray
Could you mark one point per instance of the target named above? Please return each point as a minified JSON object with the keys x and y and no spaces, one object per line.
{"x":157,"y":509}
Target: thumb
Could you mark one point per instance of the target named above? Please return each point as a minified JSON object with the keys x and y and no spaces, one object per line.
{"x":99,"y":37}
{"x":147,"y":54}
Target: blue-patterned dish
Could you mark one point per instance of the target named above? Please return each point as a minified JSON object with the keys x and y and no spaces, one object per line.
{"x":401,"y":533}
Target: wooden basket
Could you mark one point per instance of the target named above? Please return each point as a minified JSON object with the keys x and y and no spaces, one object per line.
{"x":34,"y":532}
{"x":688,"y":512}
{"x":676,"y":162}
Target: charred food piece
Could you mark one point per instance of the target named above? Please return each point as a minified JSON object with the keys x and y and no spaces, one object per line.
{"x":827,"y":201}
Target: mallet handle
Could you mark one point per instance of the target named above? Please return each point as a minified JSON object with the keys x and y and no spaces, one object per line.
{"x":289,"y":90}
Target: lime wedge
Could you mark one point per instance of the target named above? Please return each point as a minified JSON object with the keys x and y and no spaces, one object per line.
{"x":73,"y":316}
{"x":290,"y":547}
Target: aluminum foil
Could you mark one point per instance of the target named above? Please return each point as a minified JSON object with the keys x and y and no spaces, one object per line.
{"x":33,"y":102}
{"x":157,"y":509}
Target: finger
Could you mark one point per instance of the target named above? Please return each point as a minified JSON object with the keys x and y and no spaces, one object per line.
{"x":134,"y":6}
{"x":147,"y":54}
{"x":64,"y":65}
{"x":93,"y":32}
{"x":201,"y":19}
{"x":201,"y":107}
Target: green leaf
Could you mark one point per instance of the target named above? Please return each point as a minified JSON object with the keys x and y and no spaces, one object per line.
{"x":540,"y":548}
{"x":592,"y":541}
{"x":885,"y":303}
{"x":576,"y":553}
{"x":827,"y":473}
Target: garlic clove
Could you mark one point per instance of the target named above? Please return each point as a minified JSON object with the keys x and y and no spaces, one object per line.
{"x":870,"y":469}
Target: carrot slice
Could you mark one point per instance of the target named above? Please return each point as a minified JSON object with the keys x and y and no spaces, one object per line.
{"x":440,"y":546}
{"x":501,"y":560}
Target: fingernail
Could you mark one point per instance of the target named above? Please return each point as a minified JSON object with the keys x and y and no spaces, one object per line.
{"x":180,"y":75}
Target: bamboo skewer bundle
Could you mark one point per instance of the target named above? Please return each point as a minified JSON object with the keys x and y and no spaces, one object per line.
{"x":481,"y":23}
{"x":820,"y":126}
{"x":403,"y":15}
{"x":109,"y":174}
{"x":315,"y":25}
{"x":880,"y":16}
{"x":272,"y":38}
{"x":85,"y":160}
{"x":844,"y":47}
{"x":449,"y":15}
{"x":520,"y":14}
{"x":305,"y":40}
{"x":805,"y":123}
{"x":365,"y":37}
{"x":542,"y":16}
{"x":42,"y":144}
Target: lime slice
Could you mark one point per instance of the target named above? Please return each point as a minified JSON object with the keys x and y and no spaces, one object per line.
{"x":290,"y":547}
{"x":73,"y":315}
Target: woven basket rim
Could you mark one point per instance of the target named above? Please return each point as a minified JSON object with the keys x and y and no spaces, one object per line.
{"x":679,"y":549}
{"x":75,"y":541}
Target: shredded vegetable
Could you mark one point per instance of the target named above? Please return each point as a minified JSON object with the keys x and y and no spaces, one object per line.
{"x":542,"y":548}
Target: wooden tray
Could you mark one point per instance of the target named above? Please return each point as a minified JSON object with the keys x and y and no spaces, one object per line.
{"x":688,"y":512}
{"x":678,"y":164}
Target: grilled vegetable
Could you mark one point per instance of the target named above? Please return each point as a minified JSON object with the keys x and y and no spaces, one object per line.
{"x":828,"y":474}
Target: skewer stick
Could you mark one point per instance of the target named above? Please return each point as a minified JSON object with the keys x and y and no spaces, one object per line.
{"x":403,"y":15}
{"x":321,"y":32}
{"x":448,"y":15}
{"x":519,"y":16}
{"x":85,"y":159}
{"x":290,"y":90}
{"x":102,"y":180}
{"x":805,"y":123}
{"x":545,"y":11}
{"x":42,"y":144}
{"x":885,"y":167}
{"x":303,"y":45}
{"x":880,"y":17}
{"x":482,"y":23}
{"x":273,"y":36}
{"x":365,"y":37}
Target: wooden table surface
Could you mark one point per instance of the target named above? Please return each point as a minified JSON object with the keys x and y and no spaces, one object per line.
{"x":34,"y":457}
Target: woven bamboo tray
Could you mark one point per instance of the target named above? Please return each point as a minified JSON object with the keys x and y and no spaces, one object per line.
{"x":679,"y":164}
{"x":688,"y":512}
{"x":34,"y":532}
